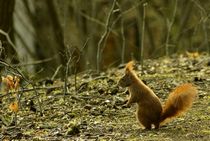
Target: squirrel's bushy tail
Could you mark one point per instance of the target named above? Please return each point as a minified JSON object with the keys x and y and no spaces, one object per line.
{"x":179,"y":101}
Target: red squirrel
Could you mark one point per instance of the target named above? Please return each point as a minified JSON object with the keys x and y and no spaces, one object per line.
{"x":149,"y":110}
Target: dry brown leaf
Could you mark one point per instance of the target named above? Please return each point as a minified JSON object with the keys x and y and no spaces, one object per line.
{"x":192,"y":55}
{"x":14,"y":107}
{"x":11,"y":82}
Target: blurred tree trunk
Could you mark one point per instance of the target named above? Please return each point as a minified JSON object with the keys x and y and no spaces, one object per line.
{"x":50,"y":41}
{"x":6,"y":24}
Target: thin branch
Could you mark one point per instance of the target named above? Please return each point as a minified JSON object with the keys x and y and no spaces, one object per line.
{"x":122,"y":31}
{"x":103,"y":37}
{"x":204,"y":17}
{"x":142,"y":36}
{"x":1,"y":48}
{"x":103,"y":24}
{"x":32,"y":89}
{"x":34,"y":62}
{"x":123,"y":41}
{"x":77,"y":61}
{"x":66,"y":72}
{"x":110,"y":28}
{"x":8,"y":39}
{"x":92,"y":19}
{"x":56,"y":72}
{"x":132,"y":8}
{"x":28,"y":81}
{"x":169,"y":25}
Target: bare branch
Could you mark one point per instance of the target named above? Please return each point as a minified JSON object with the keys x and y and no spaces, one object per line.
{"x":28,"y":81}
{"x":34,"y":62}
{"x":8,"y":39}
{"x":169,"y":27}
{"x":142,"y":36}
{"x":103,"y":37}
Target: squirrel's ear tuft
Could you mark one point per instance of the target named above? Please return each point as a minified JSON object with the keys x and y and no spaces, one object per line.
{"x":129,"y":66}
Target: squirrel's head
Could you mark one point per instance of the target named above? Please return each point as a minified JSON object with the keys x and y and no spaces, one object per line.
{"x":127,"y":80}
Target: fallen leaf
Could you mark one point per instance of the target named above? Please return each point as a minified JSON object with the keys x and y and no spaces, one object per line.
{"x":14,"y":107}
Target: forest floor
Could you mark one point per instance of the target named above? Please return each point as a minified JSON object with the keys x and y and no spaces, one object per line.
{"x":95,"y":111}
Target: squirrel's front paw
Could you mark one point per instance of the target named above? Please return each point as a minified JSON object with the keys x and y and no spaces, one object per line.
{"x":125,"y":102}
{"x":126,"y":105}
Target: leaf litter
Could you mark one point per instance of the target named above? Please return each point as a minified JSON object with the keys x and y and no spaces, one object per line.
{"x":95,"y":109}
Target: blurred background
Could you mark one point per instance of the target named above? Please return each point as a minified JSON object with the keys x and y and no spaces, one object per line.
{"x":53,"y":35}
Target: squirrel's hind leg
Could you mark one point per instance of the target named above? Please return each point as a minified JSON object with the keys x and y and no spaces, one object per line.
{"x":147,"y":125}
{"x":157,"y":125}
{"x":148,"y":128}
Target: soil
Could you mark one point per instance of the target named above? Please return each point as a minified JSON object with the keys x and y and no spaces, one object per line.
{"x":92,"y":108}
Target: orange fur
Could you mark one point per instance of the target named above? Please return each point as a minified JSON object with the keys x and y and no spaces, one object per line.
{"x":179,"y":101}
{"x":149,"y":110}
{"x":129,"y":65}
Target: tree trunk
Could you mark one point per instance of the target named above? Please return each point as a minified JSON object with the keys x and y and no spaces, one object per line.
{"x":50,"y":41}
{"x":6,"y":24}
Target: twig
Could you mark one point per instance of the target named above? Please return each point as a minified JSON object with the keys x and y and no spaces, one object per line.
{"x":69,"y":54}
{"x":92,"y":19}
{"x":103,"y":37}
{"x":110,"y":27}
{"x":8,"y":39}
{"x":23,"y":76}
{"x":142,"y":36}
{"x":56,"y":72}
{"x":169,"y":25}
{"x":104,"y":25}
{"x":204,"y":19}
{"x":1,"y":48}
{"x":122,"y":36}
{"x":66,"y":74}
{"x":32,"y":89}
{"x":75,"y":69}
{"x":34,"y":62}
{"x":206,"y":40}
{"x":132,"y":8}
